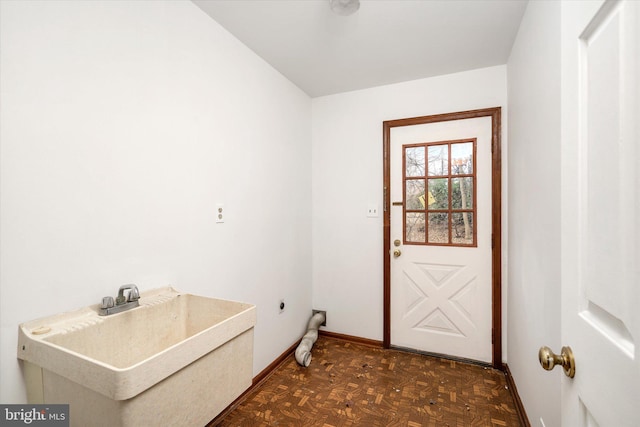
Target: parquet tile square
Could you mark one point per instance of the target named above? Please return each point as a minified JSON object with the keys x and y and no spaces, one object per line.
{"x":350,"y":384}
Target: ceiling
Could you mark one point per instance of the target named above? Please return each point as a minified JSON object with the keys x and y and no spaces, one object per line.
{"x":386,"y":41}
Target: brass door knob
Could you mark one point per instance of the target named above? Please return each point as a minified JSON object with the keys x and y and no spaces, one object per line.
{"x":548,"y":360}
{"x":397,"y":253}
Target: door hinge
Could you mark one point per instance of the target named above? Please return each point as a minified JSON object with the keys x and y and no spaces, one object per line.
{"x":384,"y":197}
{"x":493,"y":336}
{"x":493,"y":241}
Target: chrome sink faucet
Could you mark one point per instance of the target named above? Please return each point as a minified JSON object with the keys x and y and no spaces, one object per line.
{"x":122,"y":302}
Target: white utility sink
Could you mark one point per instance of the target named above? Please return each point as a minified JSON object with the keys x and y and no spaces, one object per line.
{"x":177,"y":358}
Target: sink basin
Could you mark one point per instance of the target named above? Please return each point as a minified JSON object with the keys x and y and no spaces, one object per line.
{"x":126,"y":355}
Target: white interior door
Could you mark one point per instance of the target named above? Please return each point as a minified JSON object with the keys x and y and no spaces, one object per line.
{"x":601,"y":212}
{"x":441,"y":279}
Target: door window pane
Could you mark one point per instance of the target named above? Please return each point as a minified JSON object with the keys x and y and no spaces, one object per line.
{"x":414,"y":194}
{"x":414,"y":161}
{"x":415,"y":227}
{"x":462,"y":193}
{"x":438,"y":160}
{"x":462,"y":158}
{"x":438,"y":193}
{"x":438,"y":228}
{"x":462,"y":224}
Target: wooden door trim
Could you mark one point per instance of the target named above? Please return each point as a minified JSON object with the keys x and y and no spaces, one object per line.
{"x":496,"y":218}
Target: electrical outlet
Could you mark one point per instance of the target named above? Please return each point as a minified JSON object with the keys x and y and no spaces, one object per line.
{"x":372,"y":211}
{"x":220,"y":213}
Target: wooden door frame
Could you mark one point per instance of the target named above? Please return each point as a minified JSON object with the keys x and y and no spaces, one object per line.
{"x":496,"y":218}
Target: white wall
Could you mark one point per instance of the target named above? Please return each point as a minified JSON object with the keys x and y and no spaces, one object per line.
{"x":534,"y":208}
{"x":123,"y":124}
{"x":347,"y":177}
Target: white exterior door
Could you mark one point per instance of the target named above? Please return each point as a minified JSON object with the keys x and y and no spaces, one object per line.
{"x":601,"y":212}
{"x":440,"y":221}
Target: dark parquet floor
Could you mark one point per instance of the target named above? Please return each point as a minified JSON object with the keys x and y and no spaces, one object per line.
{"x":349,"y":384}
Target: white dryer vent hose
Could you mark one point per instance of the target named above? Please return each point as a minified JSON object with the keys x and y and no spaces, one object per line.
{"x":303,"y":352}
